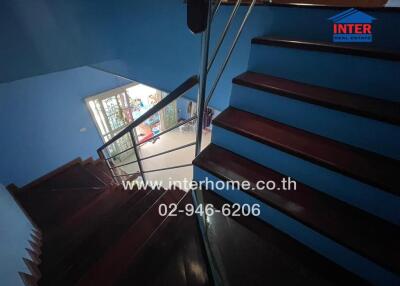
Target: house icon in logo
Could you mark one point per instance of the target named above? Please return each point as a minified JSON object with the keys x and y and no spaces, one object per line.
{"x":352,"y":26}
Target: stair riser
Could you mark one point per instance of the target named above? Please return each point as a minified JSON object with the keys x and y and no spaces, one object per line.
{"x":361,"y":75}
{"x":354,"y":192}
{"x":362,"y":132}
{"x":319,"y":243}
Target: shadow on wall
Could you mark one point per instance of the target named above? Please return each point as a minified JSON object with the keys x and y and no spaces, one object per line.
{"x":45,"y":122}
{"x":148,"y":41}
{"x":159,"y":50}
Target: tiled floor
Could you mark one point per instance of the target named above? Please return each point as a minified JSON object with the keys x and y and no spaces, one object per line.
{"x":173,"y":139}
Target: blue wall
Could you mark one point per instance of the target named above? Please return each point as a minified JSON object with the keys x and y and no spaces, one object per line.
{"x":43,"y":36}
{"x":15,"y":230}
{"x":148,"y":41}
{"x":41,"y":118}
{"x":159,"y":50}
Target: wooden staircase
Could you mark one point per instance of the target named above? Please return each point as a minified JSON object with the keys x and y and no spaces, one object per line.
{"x":356,"y":229}
{"x":302,"y":110}
{"x":103,"y":235}
{"x":295,"y":113}
{"x":82,"y":216}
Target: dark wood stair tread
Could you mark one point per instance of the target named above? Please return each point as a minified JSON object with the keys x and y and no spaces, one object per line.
{"x":328,"y":47}
{"x":88,"y":161}
{"x":118,"y":258}
{"x":82,"y":214}
{"x":359,"y":164}
{"x":74,"y":176}
{"x":97,"y":171}
{"x":29,"y":280}
{"x":51,"y":174}
{"x":49,"y":208}
{"x":103,"y":171}
{"x":33,"y":268}
{"x":74,"y":263}
{"x":357,"y":104}
{"x":82,"y":223}
{"x":364,"y":233}
{"x":253,"y":252}
{"x":109,"y":200}
{"x":178,"y":241}
{"x":87,"y":219}
{"x":33,"y":256}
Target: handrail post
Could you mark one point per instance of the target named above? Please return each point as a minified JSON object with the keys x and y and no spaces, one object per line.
{"x":223,"y":35}
{"x":139,"y":161}
{"x":103,"y":158}
{"x":205,"y":44}
{"x":228,"y":56}
{"x":216,"y":8}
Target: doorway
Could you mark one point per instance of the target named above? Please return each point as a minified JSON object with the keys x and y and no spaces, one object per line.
{"x":115,"y":109}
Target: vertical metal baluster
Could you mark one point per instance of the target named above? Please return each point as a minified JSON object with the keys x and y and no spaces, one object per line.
{"x":215,"y":10}
{"x":223,"y":35}
{"x":227,"y":58}
{"x":103,"y":158}
{"x":139,"y":160}
{"x":205,"y":43}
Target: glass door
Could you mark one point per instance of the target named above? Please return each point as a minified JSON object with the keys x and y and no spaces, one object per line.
{"x":113,"y":110}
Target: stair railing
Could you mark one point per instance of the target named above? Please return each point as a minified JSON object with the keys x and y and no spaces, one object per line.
{"x":216,"y":272}
{"x":204,"y":12}
{"x":207,"y":10}
{"x":115,"y":170}
{"x":207,"y":64}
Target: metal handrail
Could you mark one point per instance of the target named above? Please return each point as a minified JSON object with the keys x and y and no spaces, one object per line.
{"x":155,"y":170}
{"x":227,"y":58}
{"x":153,"y":137}
{"x":202,"y":100}
{"x":223,"y":34}
{"x":156,"y":155}
{"x":168,"y":151}
{"x":178,"y":92}
{"x":202,"y":103}
{"x":217,"y":274}
{"x":168,"y":130}
{"x":125,"y":164}
{"x":126,"y":175}
{"x":119,"y":153}
{"x":215,"y":10}
{"x":168,"y":168}
{"x":133,"y":136}
{"x":205,"y":45}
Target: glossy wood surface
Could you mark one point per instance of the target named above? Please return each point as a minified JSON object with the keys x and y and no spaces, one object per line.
{"x":362,"y":165}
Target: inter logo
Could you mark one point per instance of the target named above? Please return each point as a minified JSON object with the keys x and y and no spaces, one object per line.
{"x":352,"y":26}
